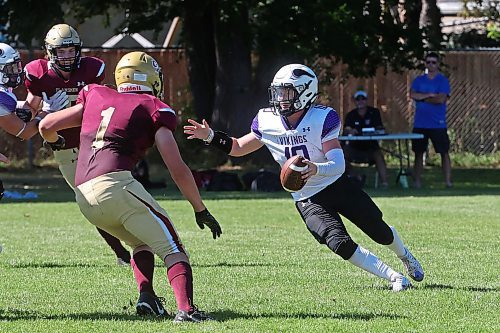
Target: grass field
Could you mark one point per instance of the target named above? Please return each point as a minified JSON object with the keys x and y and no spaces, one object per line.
{"x":266,"y":273}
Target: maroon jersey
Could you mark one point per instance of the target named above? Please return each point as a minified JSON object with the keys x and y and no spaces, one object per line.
{"x":41,"y":78}
{"x":117,"y":129}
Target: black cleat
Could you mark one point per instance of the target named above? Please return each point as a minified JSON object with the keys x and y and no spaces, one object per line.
{"x":150,"y":305}
{"x":194,"y":316}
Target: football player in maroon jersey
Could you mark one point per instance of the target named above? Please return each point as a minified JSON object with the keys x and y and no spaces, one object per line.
{"x":117,"y":129}
{"x":54,"y":84}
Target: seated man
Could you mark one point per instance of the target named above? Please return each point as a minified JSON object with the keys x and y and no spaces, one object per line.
{"x":364,"y":116}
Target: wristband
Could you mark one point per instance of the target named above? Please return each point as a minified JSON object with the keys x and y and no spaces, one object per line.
{"x":210,"y":137}
{"x":220,"y":140}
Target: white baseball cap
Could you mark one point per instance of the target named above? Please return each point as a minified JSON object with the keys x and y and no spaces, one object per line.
{"x":360,"y":93}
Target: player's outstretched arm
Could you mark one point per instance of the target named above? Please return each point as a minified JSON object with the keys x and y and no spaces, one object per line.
{"x":12,"y":124}
{"x":182,"y":176}
{"x":231,"y":146}
{"x":67,"y":118}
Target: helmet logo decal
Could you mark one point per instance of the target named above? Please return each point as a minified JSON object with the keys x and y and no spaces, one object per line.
{"x":296,"y":73}
{"x":155,"y":65}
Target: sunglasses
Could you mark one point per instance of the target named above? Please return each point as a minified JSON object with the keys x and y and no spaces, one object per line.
{"x":431,"y":62}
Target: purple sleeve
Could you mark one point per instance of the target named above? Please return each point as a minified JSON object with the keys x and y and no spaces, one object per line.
{"x":255,"y":127}
{"x":332,"y":123}
{"x":7,"y":104}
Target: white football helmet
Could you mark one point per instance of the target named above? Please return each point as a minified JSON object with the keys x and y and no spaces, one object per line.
{"x":11,"y":69}
{"x":63,"y":35}
{"x":294,"y":88}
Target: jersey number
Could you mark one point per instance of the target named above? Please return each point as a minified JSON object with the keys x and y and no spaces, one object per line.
{"x":103,"y":126}
{"x":289,"y":152}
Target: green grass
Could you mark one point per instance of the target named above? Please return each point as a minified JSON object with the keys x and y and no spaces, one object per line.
{"x":266,"y":273}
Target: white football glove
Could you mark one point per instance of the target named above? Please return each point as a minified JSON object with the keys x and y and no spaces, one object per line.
{"x":56,"y":102}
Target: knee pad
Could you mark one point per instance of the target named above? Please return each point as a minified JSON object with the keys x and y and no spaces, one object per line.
{"x":382,"y":234}
{"x":344,"y":246}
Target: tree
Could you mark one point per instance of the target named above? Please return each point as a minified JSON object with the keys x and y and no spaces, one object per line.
{"x":430,"y":23}
{"x":22,"y":25}
{"x":234,"y":47}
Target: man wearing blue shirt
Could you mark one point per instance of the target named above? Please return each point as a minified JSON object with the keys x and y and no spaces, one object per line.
{"x":430,"y":92}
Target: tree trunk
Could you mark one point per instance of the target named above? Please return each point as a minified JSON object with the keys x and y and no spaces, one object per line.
{"x":430,"y":22}
{"x":232,"y":111}
{"x":200,"y":52}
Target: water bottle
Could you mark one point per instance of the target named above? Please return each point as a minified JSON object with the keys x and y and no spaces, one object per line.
{"x":403,"y":181}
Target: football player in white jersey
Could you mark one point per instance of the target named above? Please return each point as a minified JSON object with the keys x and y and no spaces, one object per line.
{"x":294,"y":125}
{"x":11,"y":76}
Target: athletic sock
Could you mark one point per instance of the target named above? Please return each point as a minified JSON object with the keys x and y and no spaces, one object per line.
{"x":180,"y":276}
{"x":366,"y":260}
{"x":143,"y":264}
{"x":115,"y":244}
{"x":397,"y":245}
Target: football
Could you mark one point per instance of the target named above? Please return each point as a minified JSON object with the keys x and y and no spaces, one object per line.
{"x":291,"y":174}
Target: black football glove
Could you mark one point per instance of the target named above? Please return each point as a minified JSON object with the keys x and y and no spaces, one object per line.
{"x":24,"y":114}
{"x":58,"y":145}
{"x":205,"y":218}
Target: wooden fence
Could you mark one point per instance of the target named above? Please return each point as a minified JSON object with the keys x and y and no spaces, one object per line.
{"x":473,"y":109}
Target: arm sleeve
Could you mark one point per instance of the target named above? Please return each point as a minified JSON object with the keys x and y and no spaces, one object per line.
{"x":164,"y":116}
{"x":32,"y":84}
{"x":101,"y":73}
{"x":348,"y":120}
{"x":82,"y":95}
{"x":334,"y":166}
{"x":7,"y":104}
{"x":255,"y":127}
{"x":414,"y":85}
{"x":331,"y":126}
{"x":377,"y":119}
{"x":445,"y":87}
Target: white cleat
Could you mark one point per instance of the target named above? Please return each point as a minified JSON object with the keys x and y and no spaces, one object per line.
{"x":413,"y":267}
{"x":400,"y":283}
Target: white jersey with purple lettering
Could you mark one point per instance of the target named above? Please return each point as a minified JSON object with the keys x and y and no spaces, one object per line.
{"x":319,"y":124}
{"x":8,"y":101}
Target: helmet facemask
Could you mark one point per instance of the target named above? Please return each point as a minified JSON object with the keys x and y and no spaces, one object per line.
{"x":283,"y":99}
{"x":12,"y":74}
{"x":294,"y":88}
{"x":63,"y":36}
{"x":65,"y":64}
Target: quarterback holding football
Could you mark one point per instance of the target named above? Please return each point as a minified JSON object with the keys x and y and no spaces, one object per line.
{"x":295,"y":125}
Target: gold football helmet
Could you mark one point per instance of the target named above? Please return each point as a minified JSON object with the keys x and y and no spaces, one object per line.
{"x":63,"y":35}
{"x":139,"y":72}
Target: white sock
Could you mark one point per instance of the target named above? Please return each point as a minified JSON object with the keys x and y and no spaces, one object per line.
{"x":397,"y":245}
{"x":366,"y":260}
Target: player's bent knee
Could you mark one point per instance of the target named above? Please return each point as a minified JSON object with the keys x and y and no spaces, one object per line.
{"x":382,"y":234}
{"x":142,"y":248}
{"x":174,"y":258}
{"x":344,"y":247}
